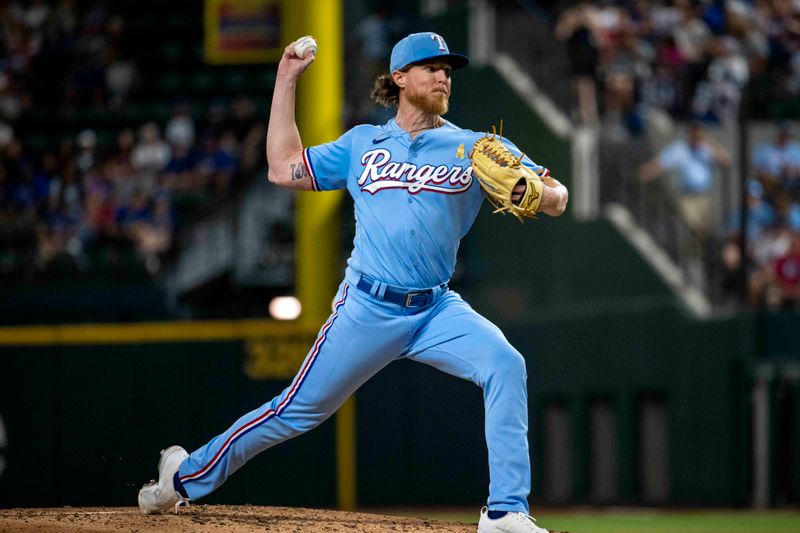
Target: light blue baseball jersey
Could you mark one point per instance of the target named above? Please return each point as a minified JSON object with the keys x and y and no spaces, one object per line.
{"x":414,"y":199}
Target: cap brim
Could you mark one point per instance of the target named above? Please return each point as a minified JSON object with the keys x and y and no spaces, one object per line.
{"x":454,"y":60}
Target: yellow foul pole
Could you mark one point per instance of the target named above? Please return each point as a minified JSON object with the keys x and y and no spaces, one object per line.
{"x":320,"y":96}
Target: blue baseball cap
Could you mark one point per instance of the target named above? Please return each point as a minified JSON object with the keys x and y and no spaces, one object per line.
{"x":421,"y":46}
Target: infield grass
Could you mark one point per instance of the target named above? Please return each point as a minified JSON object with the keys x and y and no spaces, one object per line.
{"x":617,"y":520}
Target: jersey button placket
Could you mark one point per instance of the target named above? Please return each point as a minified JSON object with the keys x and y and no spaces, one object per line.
{"x":412,"y":154}
{"x":414,"y":244}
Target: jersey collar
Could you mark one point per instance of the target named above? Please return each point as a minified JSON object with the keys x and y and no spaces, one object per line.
{"x":392,"y":129}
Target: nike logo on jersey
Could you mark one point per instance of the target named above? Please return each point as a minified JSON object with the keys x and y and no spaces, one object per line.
{"x":381,"y":173}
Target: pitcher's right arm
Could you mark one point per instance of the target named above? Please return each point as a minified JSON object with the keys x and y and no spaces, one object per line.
{"x":284,"y":146}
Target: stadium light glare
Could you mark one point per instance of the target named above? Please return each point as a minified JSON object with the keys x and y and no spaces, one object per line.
{"x":285,"y":308}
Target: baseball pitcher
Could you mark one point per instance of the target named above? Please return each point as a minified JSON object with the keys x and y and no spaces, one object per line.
{"x":417,"y":183}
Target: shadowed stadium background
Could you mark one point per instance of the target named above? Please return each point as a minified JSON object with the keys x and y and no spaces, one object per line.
{"x":141,"y":251}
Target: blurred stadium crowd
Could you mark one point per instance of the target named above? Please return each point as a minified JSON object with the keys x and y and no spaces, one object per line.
{"x":109,"y":200}
{"x":773,"y":224}
{"x":114,"y":198}
{"x":693,"y":60}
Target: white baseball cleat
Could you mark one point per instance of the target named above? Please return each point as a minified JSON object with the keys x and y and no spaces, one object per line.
{"x":509,"y":523}
{"x":159,"y":496}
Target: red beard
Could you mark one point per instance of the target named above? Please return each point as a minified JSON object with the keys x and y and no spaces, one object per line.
{"x":435,"y":103}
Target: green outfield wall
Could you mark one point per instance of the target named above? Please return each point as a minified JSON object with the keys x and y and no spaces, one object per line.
{"x":84,"y":421}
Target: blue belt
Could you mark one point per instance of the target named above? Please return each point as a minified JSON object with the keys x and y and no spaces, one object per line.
{"x":398,"y":295}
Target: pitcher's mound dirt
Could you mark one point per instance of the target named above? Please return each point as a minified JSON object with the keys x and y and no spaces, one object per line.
{"x":233,"y":518}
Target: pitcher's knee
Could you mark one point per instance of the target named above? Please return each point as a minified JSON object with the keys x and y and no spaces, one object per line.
{"x":303,"y":422}
{"x":509,"y":366}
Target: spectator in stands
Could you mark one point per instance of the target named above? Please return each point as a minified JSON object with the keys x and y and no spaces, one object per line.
{"x":612,"y":22}
{"x":578,"y":27}
{"x":692,"y":37}
{"x":152,"y":235}
{"x":718,"y":96}
{"x":86,"y":144}
{"x":625,"y":61}
{"x":20,"y":46}
{"x":44,"y":175}
{"x":623,"y":118}
{"x":787,"y":211}
{"x":19,"y":169}
{"x":180,"y":129}
{"x":777,"y":164}
{"x":63,"y":198}
{"x":118,"y":167}
{"x":787,"y":275}
{"x":11,"y":99}
{"x":57,"y":228}
{"x":771,"y":233}
{"x":120,"y":75}
{"x":66,"y":195}
{"x":120,"y":66}
{"x":662,"y":89}
{"x":744,"y":23}
{"x":773,"y":221}
{"x":774,"y":243}
{"x":180,"y":174}
{"x":50,"y":243}
{"x":123,"y":151}
{"x":135,"y":211}
{"x":761,"y":218}
{"x":24,"y":198}
{"x":6,"y":135}
{"x":98,"y":216}
{"x":149,"y":157}
{"x":760,"y":213}
{"x":217,"y":162}
{"x":692,"y":161}
{"x":36,"y":14}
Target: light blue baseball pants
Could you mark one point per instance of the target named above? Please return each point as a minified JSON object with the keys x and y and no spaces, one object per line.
{"x":362,"y":336}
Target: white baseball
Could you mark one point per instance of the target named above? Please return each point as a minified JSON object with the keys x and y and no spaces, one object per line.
{"x":305,"y":45}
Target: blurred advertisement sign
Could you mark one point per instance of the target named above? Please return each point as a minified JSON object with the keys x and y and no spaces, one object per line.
{"x":243,"y":31}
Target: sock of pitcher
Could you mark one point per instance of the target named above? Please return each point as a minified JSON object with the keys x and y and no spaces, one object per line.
{"x":176,"y":482}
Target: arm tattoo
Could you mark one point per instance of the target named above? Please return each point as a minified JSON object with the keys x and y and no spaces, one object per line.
{"x":298,"y":171}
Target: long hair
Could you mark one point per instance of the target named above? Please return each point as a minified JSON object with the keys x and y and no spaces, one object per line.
{"x":385,"y":91}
